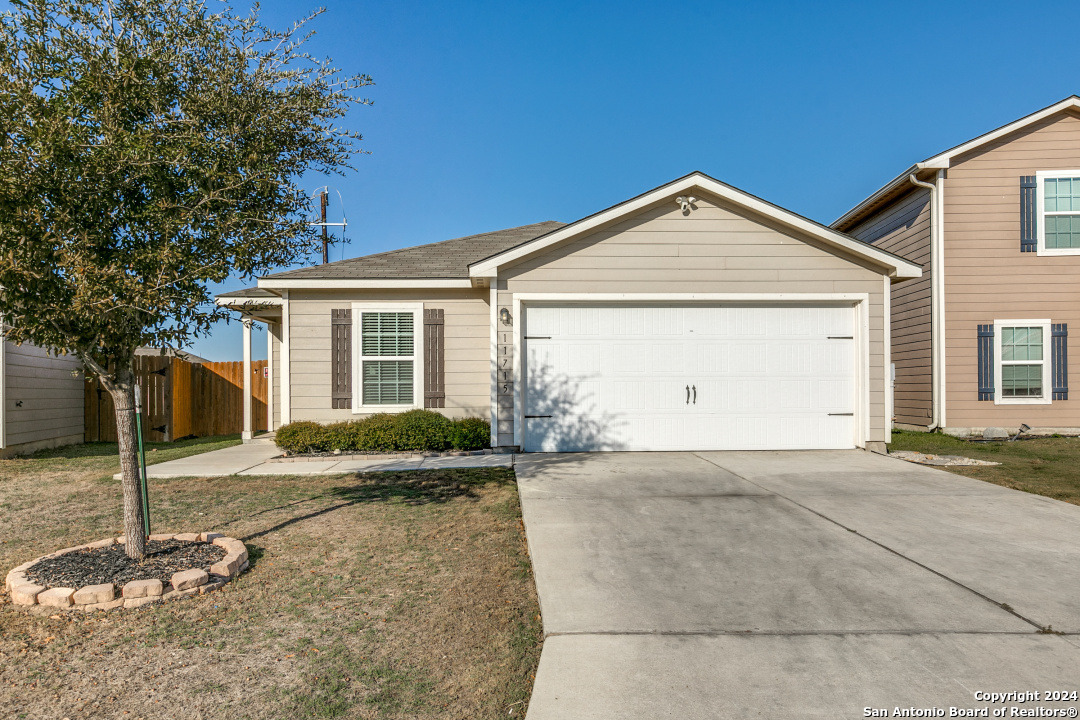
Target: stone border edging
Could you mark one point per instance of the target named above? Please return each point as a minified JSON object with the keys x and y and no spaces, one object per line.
{"x":135,"y":593}
{"x":379,"y":456}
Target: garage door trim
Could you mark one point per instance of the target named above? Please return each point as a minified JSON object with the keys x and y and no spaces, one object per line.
{"x":860,"y":303}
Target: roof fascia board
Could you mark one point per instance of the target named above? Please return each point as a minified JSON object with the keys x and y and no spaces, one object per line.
{"x":325,"y":284}
{"x":247,"y":301}
{"x":898,"y":267}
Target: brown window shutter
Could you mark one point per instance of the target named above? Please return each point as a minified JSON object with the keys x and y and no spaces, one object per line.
{"x":341,"y":358}
{"x":434,"y":360}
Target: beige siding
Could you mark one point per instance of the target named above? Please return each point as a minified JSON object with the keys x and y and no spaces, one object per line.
{"x":275,"y":387}
{"x":43,"y":403}
{"x":715,"y":249}
{"x":988,"y":278}
{"x":903,"y":227}
{"x":467,"y":343}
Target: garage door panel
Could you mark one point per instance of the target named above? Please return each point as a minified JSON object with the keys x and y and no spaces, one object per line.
{"x":616,"y":378}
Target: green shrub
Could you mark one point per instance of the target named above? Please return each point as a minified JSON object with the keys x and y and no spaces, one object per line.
{"x":470,"y":434}
{"x":383,"y":432}
{"x":301,"y":437}
{"x":422,"y":430}
{"x":375,"y":433}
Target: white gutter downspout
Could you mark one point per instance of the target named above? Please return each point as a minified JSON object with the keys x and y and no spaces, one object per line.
{"x":937,"y":298}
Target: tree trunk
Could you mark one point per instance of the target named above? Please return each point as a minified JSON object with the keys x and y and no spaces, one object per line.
{"x":122,"y":390}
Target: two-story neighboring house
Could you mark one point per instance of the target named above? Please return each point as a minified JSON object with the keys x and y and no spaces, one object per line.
{"x":982,"y":338}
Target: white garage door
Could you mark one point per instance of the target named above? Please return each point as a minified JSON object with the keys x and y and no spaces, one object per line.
{"x":688,"y":378}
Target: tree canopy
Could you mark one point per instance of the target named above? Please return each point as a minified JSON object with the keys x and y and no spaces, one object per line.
{"x":147,"y":149}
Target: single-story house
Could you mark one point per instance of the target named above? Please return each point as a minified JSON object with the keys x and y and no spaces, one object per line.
{"x":981,"y":340}
{"x":41,"y":399}
{"x":692,"y":317}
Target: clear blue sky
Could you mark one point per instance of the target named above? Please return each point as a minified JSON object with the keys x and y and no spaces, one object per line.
{"x":491,"y":115}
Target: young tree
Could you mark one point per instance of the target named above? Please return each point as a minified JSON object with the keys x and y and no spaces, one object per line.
{"x":150,"y":147}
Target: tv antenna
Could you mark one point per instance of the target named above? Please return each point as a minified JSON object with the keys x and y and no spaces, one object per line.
{"x":324,"y":200}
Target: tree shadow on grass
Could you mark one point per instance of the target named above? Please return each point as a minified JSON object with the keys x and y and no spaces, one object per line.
{"x":408,"y":487}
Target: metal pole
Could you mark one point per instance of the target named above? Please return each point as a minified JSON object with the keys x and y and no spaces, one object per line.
{"x":322,"y":204}
{"x":144,"y":490}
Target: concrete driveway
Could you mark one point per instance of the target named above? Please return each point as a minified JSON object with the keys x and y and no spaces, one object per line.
{"x":792,"y":584}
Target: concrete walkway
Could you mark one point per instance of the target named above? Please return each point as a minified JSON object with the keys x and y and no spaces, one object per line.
{"x":798,"y":584}
{"x":254,"y":459}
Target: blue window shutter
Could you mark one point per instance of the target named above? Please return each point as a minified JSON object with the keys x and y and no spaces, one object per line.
{"x":986,"y":362}
{"x":1028,"y":214}
{"x":1059,"y":354}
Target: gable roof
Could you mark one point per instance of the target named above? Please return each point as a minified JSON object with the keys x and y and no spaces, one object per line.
{"x":441,"y":262}
{"x":894,"y":265}
{"x":943,"y":160}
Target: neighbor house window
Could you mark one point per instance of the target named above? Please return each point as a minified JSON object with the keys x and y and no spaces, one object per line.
{"x":1023,"y":364}
{"x":1058,"y":200}
{"x":388,"y":357}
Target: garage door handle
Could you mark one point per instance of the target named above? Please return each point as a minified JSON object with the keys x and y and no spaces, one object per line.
{"x":687,"y":394}
{"x":695,"y":394}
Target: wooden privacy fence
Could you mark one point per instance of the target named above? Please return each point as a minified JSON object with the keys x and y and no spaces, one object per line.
{"x":182,"y":399}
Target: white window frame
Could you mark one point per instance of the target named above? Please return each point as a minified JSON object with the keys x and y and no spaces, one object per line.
{"x":1047,"y":363}
{"x":1040,"y":213}
{"x":417,"y":310}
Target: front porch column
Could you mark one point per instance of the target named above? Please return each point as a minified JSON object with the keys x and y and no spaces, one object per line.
{"x":269,"y":377}
{"x":247,"y":434}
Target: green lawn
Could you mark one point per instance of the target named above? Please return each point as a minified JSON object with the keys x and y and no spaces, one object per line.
{"x":1044,"y":466}
{"x":387,"y":595}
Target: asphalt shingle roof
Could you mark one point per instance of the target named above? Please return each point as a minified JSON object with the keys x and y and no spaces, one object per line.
{"x":446,"y":259}
{"x":249,"y":293}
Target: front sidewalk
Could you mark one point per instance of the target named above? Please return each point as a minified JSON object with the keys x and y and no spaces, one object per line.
{"x":253,"y":458}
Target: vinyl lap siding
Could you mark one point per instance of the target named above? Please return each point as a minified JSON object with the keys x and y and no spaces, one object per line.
{"x":713,"y":250}
{"x":903,"y":228}
{"x":467,"y":349}
{"x":988,"y":278}
{"x":44,"y":398}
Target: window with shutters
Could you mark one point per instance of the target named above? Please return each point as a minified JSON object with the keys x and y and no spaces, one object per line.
{"x":1058,"y":212}
{"x":1022,"y":365}
{"x":388,"y":364}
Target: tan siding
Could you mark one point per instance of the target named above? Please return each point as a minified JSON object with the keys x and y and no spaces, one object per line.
{"x":988,"y":278}
{"x":44,"y":398}
{"x":903,"y":227}
{"x":467,"y":341}
{"x":716,"y":249}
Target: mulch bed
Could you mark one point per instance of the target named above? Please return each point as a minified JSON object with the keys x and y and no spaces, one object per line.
{"x":110,"y":565}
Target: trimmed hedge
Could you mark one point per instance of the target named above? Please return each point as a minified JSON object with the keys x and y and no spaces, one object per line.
{"x":413,"y":430}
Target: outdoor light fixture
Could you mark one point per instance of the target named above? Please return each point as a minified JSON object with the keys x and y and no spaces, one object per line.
{"x":686,"y":202}
{"x":504,"y":315}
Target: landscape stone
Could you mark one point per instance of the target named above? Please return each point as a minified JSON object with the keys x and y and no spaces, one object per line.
{"x":15,"y":577}
{"x":107,"y":542}
{"x":93,"y":594}
{"x":180,"y":593}
{"x":996,"y":433}
{"x":210,"y":536}
{"x":139,"y":602}
{"x":226,"y":566}
{"x":111,"y":605}
{"x":211,"y":587}
{"x":187,"y":537}
{"x":162,"y":537}
{"x":56,"y":597}
{"x":143,"y":588}
{"x":189,"y":579}
{"x":26,"y":593}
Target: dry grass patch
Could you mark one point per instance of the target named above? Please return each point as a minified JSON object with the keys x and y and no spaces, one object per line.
{"x":1043,"y":466}
{"x":387,"y":595}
